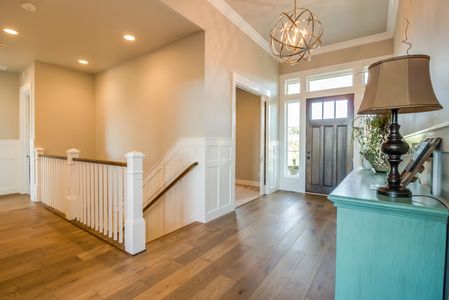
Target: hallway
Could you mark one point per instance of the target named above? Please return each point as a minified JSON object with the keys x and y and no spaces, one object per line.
{"x":245,"y":194}
{"x":281,"y":246}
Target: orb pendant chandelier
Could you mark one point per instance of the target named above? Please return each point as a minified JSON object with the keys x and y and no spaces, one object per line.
{"x":295,"y":35}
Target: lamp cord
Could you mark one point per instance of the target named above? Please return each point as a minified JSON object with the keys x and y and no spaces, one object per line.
{"x":405,"y":41}
{"x":431,"y":197}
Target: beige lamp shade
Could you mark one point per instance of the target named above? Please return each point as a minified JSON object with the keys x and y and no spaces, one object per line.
{"x":401,"y":83}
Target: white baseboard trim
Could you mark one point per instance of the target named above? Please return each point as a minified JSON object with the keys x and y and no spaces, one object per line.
{"x":272,"y":190}
{"x":8,"y":191}
{"x":247,"y":182}
{"x":212,"y":215}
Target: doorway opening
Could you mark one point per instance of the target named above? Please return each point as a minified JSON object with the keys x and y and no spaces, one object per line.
{"x":250,"y":146}
{"x":26,"y":141}
{"x":328,"y":142}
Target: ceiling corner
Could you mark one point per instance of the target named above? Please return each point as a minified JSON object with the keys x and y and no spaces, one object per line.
{"x":393,"y":6}
{"x":235,"y":18}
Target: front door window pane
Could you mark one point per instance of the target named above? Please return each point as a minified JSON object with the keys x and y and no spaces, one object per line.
{"x":329,"y":109}
{"x":317,"y":111}
{"x":341,"y":109}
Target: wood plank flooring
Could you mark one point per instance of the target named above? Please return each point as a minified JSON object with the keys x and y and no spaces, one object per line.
{"x":280,"y":246}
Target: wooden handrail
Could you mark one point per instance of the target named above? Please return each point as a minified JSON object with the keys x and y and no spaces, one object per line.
{"x":168,"y":187}
{"x":101,"y":162}
{"x":53,"y":156}
{"x":89,"y":160}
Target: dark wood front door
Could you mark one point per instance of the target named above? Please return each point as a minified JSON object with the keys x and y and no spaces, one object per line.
{"x":329,"y":142}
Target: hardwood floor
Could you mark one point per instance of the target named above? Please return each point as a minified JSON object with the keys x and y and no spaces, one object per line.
{"x":245,"y":194}
{"x":280,"y":246}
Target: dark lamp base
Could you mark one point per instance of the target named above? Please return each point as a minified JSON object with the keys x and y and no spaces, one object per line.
{"x":400,"y":193}
{"x":394,"y":147}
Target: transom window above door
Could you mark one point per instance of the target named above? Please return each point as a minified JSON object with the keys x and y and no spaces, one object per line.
{"x":324,"y":110}
{"x":292,"y":87}
{"x":330,"y":81}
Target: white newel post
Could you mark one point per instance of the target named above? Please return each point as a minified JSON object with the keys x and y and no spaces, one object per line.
{"x":134,"y":224}
{"x":72,"y":193}
{"x":37,"y":174}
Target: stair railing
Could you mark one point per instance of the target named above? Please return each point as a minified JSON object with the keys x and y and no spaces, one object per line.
{"x":150,"y":202}
{"x":102,"y":197}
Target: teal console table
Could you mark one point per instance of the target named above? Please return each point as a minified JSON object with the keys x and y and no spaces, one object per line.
{"x":388,"y":248}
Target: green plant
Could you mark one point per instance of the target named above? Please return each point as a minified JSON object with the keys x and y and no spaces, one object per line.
{"x":370,"y":133}
{"x":293,"y":169}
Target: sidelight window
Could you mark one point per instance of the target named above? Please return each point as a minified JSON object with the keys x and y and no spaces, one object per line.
{"x":292,"y":129}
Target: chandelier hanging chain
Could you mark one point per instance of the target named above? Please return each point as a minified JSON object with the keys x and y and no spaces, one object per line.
{"x":295,"y":6}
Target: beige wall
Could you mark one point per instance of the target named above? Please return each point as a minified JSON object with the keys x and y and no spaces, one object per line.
{"x":247,"y":136}
{"x":380,"y":48}
{"x":228,"y":50}
{"x":148,"y":103}
{"x":64,"y":110}
{"x":428,"y":32}
{"x":9,"y":105}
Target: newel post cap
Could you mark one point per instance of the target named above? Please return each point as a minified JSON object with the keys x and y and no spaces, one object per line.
{"x":39,"y":150}
{"x":73,"y":151}
{"x":134,"y":154}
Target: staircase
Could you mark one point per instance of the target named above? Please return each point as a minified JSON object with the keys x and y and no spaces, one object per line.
{"x":114,"y":200}
{"x":173,"y":189}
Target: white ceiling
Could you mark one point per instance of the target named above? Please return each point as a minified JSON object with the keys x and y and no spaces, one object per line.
{"x":343,"y":20}
{"x":61,"y":32}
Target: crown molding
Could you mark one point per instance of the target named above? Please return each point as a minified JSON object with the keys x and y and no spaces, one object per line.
{"x":393,"y":6}
{"x":235,"y":18}
{"x":353,"y":43}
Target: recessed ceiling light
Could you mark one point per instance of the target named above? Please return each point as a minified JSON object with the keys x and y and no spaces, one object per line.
{"x":11,"y":31}
{"x":129,"y":37}
{"x":83,"y":61}
{"x":28,"y":6}
{"x":3,"y":68}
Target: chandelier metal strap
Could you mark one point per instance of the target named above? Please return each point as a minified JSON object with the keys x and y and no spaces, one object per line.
{"x":295,"y":35}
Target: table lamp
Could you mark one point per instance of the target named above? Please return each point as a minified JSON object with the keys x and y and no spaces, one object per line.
{"x":398,"y":85}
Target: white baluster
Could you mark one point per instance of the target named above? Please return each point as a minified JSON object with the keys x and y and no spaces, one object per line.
{"x":92,"y":195}
{"x":88,"y":197}
{"x":110,"y":199}
{"x":38,"y":174}
{"x":105,"y":199}
{"x":120,"y":204}
{"x":96,"y":199}
{"x":115,"y":201}
{"x":72,"y":186}
{"x":134,"y":224}
{"x":100,"y":197}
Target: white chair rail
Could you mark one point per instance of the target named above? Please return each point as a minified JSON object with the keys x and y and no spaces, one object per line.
{"x":104,"y":196}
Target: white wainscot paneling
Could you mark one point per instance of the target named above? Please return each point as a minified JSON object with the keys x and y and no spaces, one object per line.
{"x":218,"y":178}
{"x":9,"y":166}
{"x":273,"y":166}
{"x":184,"y":203}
